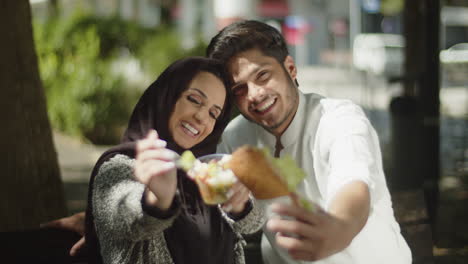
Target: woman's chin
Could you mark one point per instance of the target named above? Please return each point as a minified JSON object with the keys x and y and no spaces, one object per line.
{"x":186,"y":144}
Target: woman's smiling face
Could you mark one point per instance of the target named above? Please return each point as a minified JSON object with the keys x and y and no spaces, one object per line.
{"x":196,"y":111}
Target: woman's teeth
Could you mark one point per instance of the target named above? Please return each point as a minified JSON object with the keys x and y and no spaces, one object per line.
{"x":190,"y":128}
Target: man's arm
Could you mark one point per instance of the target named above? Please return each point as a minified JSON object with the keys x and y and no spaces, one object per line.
{"x":316,"y":235}
{"x":352,"y":205}
{"x":75,"y":223}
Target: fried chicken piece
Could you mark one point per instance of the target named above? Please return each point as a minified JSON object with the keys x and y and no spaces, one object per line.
{"x":257,"y":173}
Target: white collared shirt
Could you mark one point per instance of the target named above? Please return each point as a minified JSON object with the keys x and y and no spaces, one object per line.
{"x":334,"y":143}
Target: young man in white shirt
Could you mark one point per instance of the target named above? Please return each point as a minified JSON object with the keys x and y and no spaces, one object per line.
{"x":332,"y":140}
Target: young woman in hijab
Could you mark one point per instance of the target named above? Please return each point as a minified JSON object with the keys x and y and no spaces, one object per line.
{"x":140,"y":208}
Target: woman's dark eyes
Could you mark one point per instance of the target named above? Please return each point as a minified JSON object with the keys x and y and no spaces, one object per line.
{"x":198,"y":102}
{"x":193,"y":100}
{"x":214,"y":116}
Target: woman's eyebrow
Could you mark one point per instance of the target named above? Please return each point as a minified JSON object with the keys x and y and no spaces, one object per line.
{"x":218,"y":107}
{"x":200,"y":92}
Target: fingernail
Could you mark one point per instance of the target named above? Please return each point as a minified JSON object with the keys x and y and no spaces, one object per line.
{"x":168,"y":165}
{"x":170,"y":155}
{"x":160,"y":143}
{"x":227,"y":208}
{"x":229,"y":193}
{"x":153,"y":133}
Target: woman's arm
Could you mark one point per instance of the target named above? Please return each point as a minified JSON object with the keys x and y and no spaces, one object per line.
{"x":118,"y":203}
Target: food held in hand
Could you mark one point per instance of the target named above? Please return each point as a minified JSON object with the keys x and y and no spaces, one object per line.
{"x":265,"y":176}
{"x":211,"y":175}
{"x":256,"y":171}
{"x":268,"y":177}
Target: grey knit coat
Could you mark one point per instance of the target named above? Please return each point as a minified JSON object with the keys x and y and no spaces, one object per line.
{"x":127,"y":234}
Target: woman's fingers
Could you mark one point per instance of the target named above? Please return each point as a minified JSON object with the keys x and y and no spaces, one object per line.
{"x":150,"y":141}
{"x":157,"y":154}
{"x":146,"y":144}
{"x":145,"y":171}
{"x":238,"y":197}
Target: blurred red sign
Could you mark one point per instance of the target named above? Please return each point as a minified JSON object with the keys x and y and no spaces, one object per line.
{"x":273,"y":8}
{"x":295,"y":29}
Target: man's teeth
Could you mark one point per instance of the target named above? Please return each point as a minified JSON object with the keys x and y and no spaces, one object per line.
{"x":266,"y":105}
{"x":190,"y":128}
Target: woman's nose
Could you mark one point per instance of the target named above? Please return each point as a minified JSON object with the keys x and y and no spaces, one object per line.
{"x":201,"y":115}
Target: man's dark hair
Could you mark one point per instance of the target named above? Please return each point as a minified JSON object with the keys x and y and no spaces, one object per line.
{"x":245,"y":35}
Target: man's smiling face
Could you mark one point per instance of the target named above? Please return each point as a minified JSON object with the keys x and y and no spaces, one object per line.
{"x":264,"y":90}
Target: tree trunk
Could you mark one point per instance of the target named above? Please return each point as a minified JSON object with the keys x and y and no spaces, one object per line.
{"x":31,"y":190}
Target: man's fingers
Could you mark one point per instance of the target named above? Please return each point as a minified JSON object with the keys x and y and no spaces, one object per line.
{"x":291,"y":243}
{"x":298,"y":213}
{"x":77,"y":247}
{"x":297,"y":228}
{"x":53,"y":224}
{"x":74,"y":223}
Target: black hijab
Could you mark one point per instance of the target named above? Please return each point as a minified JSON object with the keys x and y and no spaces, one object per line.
{"x":153,"y":111}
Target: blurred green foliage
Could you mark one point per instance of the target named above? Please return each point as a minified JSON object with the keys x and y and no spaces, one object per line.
{"x":86,"y":98}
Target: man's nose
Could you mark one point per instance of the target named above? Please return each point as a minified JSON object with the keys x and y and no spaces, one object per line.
{"x":255,"y":92}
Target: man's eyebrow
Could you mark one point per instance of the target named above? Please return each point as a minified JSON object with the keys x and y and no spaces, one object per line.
{"x":254,"y":71}
{"x":200,"y":92}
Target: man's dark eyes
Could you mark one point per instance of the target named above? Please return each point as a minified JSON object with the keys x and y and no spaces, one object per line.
{"x":263,"y":76}
{"x":239,"y":90}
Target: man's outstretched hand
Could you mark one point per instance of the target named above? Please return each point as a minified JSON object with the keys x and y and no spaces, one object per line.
{"x":75,"y":223}
{"x":315,"y":235}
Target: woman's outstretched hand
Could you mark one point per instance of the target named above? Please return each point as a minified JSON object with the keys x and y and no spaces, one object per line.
{"x":155,"y":167}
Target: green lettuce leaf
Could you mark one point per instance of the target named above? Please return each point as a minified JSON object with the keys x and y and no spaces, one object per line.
{"x":186,"y":161}
{"x":291,"y":174}
{"x":288,"y":169}
{"x":306,"y":204}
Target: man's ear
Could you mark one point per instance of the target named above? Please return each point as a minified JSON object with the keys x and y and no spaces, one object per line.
{"x":290,"y":66}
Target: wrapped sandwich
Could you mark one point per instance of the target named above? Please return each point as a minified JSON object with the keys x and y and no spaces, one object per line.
{"x":210,"y":173}
{"x":267,"y":177}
